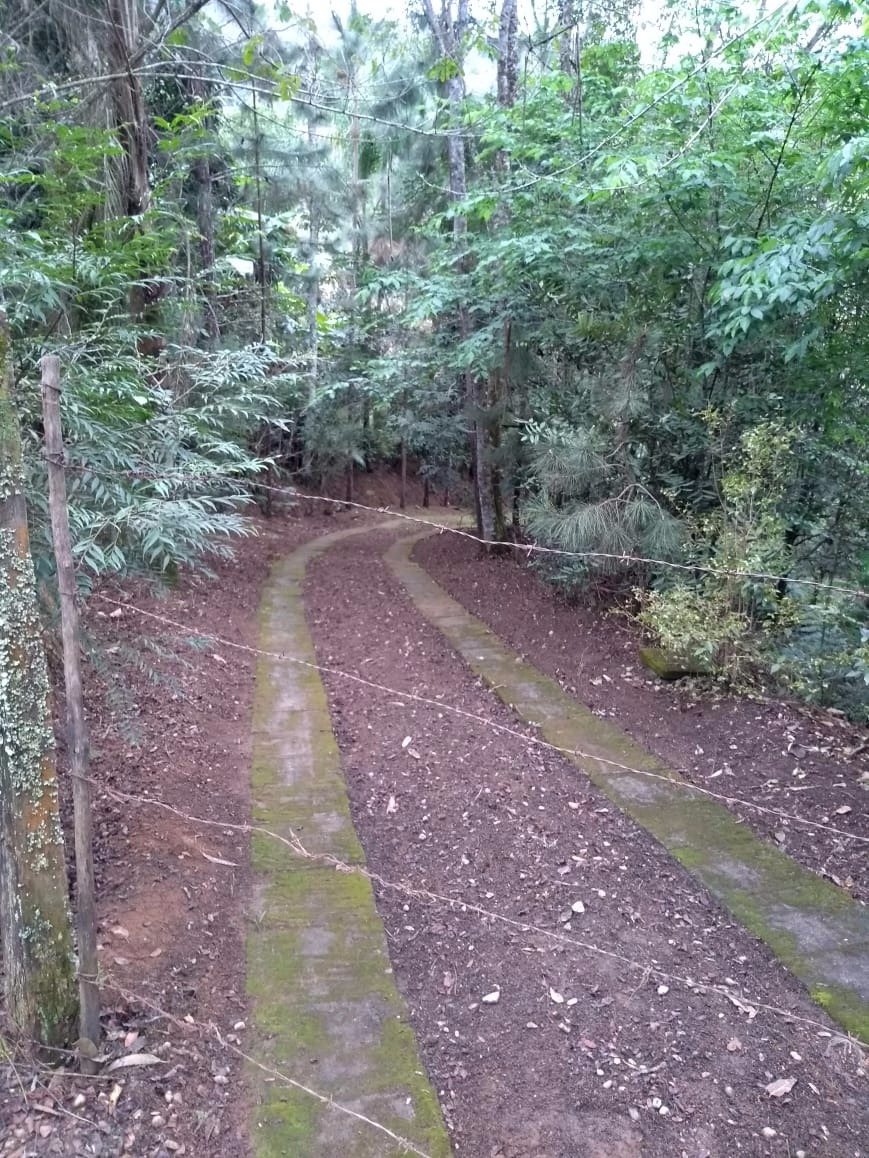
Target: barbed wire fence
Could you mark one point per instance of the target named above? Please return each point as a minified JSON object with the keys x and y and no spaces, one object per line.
{"x":743,"y":1002}
{"x":484,"y":721}
{"x":525,"y":548}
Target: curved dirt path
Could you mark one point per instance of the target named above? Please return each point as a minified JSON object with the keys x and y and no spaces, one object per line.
{"x":592,"y":1048}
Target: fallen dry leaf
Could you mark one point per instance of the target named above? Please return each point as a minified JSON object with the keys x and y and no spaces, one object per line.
{"x":133,"y":1059}
{"x":780,"y":1087}
{"x":743,"y":1007}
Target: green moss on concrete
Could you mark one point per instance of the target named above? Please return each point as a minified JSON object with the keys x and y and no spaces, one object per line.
{"x":398,"y":1063}
{"x":841,"y":1005}
{"x":691,"y":858}
{"x":319,"y":978}
{"x":813,"y":927}
{"x":670,"y":667}
{"x":284,"y":1126}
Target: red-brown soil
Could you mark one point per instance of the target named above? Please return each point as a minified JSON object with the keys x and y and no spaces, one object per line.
{"x":169,"y":722}
{"x":460,"y":811}
{"x":807,"y":763}
{"x":582,"y":1055}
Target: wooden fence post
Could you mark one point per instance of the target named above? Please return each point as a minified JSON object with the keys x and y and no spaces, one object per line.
{"x":89,"y":997}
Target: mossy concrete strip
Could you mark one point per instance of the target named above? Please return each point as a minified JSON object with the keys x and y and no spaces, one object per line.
{"x":813,"y":927}
{"x":324,"y":1007}
{"x":670,"y":667}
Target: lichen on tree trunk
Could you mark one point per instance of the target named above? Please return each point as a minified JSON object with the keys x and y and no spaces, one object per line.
{"x":35,"y":930}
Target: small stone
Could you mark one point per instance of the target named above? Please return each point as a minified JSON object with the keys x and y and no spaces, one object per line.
{"x":769,"y":1132}
{"x":663,"y":990}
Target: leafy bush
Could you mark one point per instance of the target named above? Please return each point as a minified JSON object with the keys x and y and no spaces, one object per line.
{"x":697,"y":624}
{"x":157,"y":478}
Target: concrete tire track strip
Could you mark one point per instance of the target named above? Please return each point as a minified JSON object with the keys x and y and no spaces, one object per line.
{"x":325,"y":1008}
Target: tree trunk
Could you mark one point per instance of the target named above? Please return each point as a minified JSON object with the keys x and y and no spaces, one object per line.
{"x":498,"y":518}
{"x":516,"y":517}
{"x":85,"y":892}
{"x":312,"y":301}
{"x":205,"y":228}
{"x":483,"y":494}
{"x":204,"y":186}
{"x":39,"y":975}
{"x":129,"y":103}
{"x":508,"y":56}
{"x":447,"y":32}
{"x":508,"y":69}
{"x":567,"y":18}
{"x":128,"y":106}
{"x":261,"y":260}
{"x":402,"y":494}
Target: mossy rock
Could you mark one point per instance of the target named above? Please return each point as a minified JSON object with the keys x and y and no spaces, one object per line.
{"x":671,"y":667}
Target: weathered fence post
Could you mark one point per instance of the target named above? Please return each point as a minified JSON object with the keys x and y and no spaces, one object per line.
{"x":89,"y":997}
{"x":39,"y":978}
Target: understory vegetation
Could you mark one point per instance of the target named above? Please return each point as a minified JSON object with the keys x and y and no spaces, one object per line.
{"x":616,"y":277}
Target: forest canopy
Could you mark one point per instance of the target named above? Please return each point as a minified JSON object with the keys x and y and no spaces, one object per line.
{"x":619,"y":293}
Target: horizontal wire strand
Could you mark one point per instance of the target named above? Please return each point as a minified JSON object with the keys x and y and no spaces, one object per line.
{"x":522,"y":548}
{"x":505,"y":729}
{"x":110,"y":982}
{"x":295,"y":845}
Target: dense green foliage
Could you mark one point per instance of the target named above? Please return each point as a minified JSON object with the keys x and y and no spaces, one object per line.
{"x":641,"y":322}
